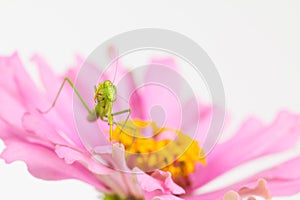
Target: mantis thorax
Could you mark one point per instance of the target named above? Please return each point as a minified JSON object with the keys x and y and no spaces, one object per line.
{"x":105,"y":92}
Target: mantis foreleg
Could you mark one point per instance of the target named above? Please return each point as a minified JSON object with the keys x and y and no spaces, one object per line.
{"x":128,"y":111}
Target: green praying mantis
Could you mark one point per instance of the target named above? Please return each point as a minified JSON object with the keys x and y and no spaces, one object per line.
{"x":104,"y":97}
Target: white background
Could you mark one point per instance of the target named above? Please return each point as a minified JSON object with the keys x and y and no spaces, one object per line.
{"x":254,"y":44}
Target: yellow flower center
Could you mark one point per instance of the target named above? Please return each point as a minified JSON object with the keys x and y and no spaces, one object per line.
{"x":150,"y":147}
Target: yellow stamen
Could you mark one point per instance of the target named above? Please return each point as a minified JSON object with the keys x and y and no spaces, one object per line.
{"x":178,"y":155}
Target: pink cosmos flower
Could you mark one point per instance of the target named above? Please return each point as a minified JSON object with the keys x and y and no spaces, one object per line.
{"x":51,"y":148}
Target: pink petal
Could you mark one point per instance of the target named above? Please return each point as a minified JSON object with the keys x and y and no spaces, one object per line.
{"x":254,"y":188}
{"x":256,"y":140}
{"x":197,"y":122}
{"x":163,"y":93}
{"x":168,"y":62}
{"x":155,"y":73}
{"x":24,"y":95}
{"x":137,"y":105}
{"x":159,"y":180}
{"x":166,"y":197}
{"x":38,"y":126}
{"x":61,"y":115}
{"x":42,"y":162}
{"x":12,"y":111}
{"x":122,"y":176}
{"x":52,"y":83}
{"x":66,"y":105}
{"x":166,"y":178}
{"x":125,"y":88}
{"x":74,"y":155}
{"x":165,"y":103}
{"x":148,"y":183}
{"x":7,"y":80}
{"x":283,"y":180}
{"x":26,"y":87}
{"x":48,"y":128}
{"x":159,"y":195}
{"x":18,"y":82}
{"x":49,"y":79}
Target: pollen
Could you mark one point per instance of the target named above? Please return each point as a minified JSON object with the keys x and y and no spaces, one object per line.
{"x":150,"y":147}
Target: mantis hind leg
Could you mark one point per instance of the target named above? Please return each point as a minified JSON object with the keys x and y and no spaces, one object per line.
{"x":67,"y":80}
